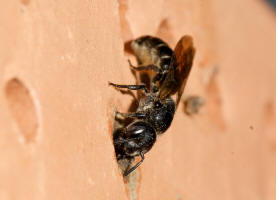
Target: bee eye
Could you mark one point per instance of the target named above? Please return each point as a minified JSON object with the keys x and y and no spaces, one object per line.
{"x":157,"y":104}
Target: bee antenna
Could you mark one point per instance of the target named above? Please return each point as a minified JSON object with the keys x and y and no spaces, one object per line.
{"x":137,"y":165}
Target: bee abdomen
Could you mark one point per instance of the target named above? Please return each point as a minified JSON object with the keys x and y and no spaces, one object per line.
{"x":151,"y":50}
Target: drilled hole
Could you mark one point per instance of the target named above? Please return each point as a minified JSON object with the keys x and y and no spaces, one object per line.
{"x":270,"y":123}
{"x":22,"y":108}
{"x":126,"y":32}
{"x":214,"y":101}
{"x":164,"y":31}
{"x":25,"y":2}
{"x":193,"y":104}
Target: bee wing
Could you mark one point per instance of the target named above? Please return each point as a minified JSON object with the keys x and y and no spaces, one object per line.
{"x":180,"y":68}
{"x":184,"y":55}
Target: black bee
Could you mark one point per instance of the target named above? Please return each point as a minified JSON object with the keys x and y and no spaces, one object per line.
{"x":156,"y":108}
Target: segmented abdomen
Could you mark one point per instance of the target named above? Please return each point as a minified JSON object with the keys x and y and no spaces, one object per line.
{"x":151,"y":50}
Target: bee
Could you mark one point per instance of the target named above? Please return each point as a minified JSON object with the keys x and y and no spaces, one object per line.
{"x":156,"y":107}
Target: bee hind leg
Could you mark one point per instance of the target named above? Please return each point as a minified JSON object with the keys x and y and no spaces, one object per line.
{"x":144,"y":67}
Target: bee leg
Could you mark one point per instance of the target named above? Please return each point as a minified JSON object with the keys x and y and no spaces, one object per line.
{"x":159,"y":77}
{"x":137,"y":165}
{"x":155,"y":79}
{"x":137,"y":115}
{"x":130,"y":87}
{"x":145,"y":67}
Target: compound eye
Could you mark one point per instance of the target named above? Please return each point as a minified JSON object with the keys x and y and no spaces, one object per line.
{"x":139,"y":128}
{"x":157,"y":104}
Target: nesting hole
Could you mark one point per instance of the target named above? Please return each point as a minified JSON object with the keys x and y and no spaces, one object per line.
{"x":270,"y":123}
{"x":164,"y":31}
{"x":22,"y":108}
{"x":132,"y":180}
{"x":126,"y":32}
{"x":192,"y":104}
{"x":214,"y":102}
{"x":25,"y":2}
